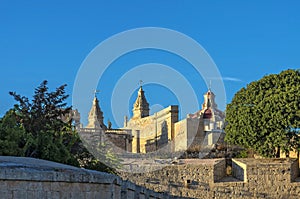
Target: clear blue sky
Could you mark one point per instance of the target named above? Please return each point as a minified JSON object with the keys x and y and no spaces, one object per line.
{"x":50,"y":39}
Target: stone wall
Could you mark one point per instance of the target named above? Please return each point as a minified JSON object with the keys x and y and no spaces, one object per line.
{"x":154,"y":131}
{"x":120,"y":139}
{"x":189,"y":134}
{"x":195,"y":132}
{"x":189,"y":178}
{"x":28,"y":178}
{"x":251,"y":178}
{"x":266,"y":170}
{"x":181,"y":141}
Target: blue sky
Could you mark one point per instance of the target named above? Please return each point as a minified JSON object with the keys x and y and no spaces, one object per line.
{"x":50,"y":39}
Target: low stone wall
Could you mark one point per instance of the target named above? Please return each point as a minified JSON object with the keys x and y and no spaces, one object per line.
{"x":239,"y":170}
{"x":273,"y":170}
{"x":28,"y":178}
{"x":187,"y":178}
{"x":251,"y":178}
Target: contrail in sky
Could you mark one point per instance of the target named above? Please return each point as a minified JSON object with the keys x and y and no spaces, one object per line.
{"x":232,"y":79}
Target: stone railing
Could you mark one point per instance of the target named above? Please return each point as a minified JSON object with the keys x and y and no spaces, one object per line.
{"x":89,"y":130}
{"x":118,"y":131}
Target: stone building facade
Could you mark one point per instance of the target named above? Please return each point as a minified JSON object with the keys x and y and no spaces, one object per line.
{"x":96,"y":132}
{"x":162,"y":131}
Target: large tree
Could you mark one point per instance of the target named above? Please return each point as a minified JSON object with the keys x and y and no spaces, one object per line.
{"x":265,"y":116}
{"x":42,"y":128}
{"x":12,"y":135}
{"x":47,"y":135}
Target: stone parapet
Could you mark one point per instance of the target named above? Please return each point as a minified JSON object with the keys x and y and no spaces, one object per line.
{"x":207,"y":178}
{"x":188,"y":178}
{"x":28,"y":178}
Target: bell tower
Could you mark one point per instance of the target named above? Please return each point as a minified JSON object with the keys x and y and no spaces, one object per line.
{"x":209,"y":100}
{"x":96,"y":116}
{"x":141,"y":106}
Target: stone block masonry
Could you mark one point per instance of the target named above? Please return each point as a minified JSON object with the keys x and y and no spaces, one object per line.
{"x":251,"y":178}
{"x":29,"y":178}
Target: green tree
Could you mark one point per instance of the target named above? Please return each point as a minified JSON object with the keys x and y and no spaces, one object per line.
{"x":42,"y":128}
{"x":265,"y":116}
{"x":104,"y":160}
{"x":47,"y":135}
{"x":12,"y":135}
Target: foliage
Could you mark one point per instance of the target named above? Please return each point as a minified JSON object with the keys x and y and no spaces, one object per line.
{"x":265,"y":116}
{"x":12,"y":135}
{"x":242,"y":154}
{"x":104,"y":160}
{"x":47,"y":135}
{"x":42,"y":128}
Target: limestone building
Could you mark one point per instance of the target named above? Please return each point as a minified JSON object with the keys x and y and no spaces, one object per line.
{"x":144,"y":133}
{"x":97,"y":131}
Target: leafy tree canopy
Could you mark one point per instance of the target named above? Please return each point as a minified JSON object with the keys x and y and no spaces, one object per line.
{"x":12,"y":135}
{"x":47,"y":135}
{"x":42,"y":128}
{"x":265,"y":116}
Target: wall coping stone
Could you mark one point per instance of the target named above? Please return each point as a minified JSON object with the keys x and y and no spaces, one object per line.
{"x":265,"y":161}
{"x":31,"y":169}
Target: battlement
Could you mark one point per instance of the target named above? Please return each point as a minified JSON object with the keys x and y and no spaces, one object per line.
{"x":265,"y":170}
{"x":208,"y":178}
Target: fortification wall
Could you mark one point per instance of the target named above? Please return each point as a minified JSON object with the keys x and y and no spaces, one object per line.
{"x":28,"y":178}
{"x":195,"y":133}
{"x":251,"y":178}
{"x":181,"y":141}
{"x":190,"y":178}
